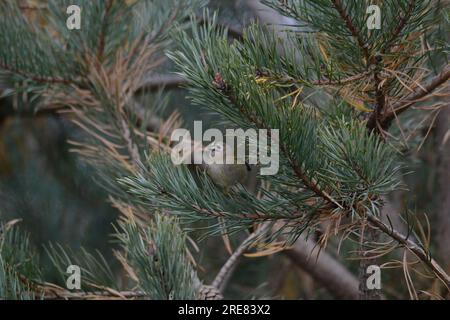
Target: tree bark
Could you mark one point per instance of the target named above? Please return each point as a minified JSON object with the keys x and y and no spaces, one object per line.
{"x":368,"y":236}
{"x":325,"y":269}
{"x":443,"y":186}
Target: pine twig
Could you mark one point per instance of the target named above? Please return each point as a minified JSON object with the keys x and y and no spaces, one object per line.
{"x":367,"y":237}
{"x":402,"y":23}
{"x":351,"y":27}
{"x":419,"y":252}
{"x":394,"y":234}
{"x":50,"y":291}
{"x":41,"y":79}
{"x":324,"y":268}
{"x":420,"y":92}
{"x":319,"y":82}
{"x":221,"y":279}
{"x":222,"y":86}
{"x":67,"y":295}
{"x":162,"y":81}
{"x":104,"y":27}
{"x":380,"y":97}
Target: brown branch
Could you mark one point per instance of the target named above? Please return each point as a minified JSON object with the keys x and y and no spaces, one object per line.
{"x":103,"y":30}
{"x":375,"y":118}
{"x":325,"y":269}
{"x":317,"y":83}
{"x":306,"y":255}
{"x":227,"y":269}
{"x":368,"y":236}
{"x":351,"y":27}
{"x":50,"y":291}
{"x":409,"y":244}
{"x":419,"y":93}
{"x":163,"y":81}
{"x":402,"y":23}
{"x":344,"y":81}
{"x":312,"y":185}
{"x":67,"y":295}
{"x":380,"y":97}
{"x":153,"y":83}
{"x":413,"y":247}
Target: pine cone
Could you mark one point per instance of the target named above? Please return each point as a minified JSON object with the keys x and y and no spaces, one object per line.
{"x":210,"y":293}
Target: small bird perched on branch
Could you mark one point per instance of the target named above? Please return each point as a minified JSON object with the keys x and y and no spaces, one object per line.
{"x":219,"y":162}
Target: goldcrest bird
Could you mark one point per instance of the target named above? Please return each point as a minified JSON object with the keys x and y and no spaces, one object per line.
{"x":227,"y":172}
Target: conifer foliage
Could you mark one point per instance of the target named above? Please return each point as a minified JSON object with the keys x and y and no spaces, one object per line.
{"x":340,"y":93}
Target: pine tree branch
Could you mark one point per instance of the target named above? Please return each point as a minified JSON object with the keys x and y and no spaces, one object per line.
{"x":227,"y":269}
{"x":221,"y":86}
{"x":325,"y":269}
{"x":341,"y":82}
{"x":36,"y":78}
{"x":377,"y":121}
{"x":151,"y":84}
{"x":49,"y":291}
{"x":312,"y":185}
{"x":442,"y":195}
{"x":368,"y":236}
{"x":380,"y":97}
{"x":351,"y":27}
{"x":420,"y":92}
{"x":413,"y":247}
{"x":402,"y":23}
{"x":104,"y":28}
{"x":409,"y":244}
{"x":95,"y":295}
{"x":316,"y":83}
{"x":163,"y":81}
